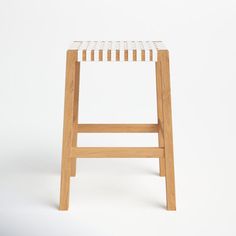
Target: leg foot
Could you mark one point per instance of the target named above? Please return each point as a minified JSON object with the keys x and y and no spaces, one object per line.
{"x":65,"y":184}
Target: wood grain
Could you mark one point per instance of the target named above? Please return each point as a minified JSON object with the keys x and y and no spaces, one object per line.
{"x":160,"y":115}
{"x":68,"y":128}
{"x":110,"y":152}
{"x":75,"y":114}
{"x":117,"y":128}
{"x":168,"y":139}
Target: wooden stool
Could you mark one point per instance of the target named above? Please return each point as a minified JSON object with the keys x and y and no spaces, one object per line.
{"x":151,"y":51}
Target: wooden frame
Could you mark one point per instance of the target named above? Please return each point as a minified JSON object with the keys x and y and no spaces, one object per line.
{"x":164,"y":152}
{"x":166,"y":127}
{"x":117,"y":128}
{"x":160,"y":114}
{"x":69,"y":136}
{"x":75,"y":113}
{"x":85,"y":152}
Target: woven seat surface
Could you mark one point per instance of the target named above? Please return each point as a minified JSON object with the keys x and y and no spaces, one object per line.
{"x":117,"y":50}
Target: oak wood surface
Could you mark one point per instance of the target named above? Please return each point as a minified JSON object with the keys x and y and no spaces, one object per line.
{"x":135,"y":152}
{"x":167,"y":123}
{"x":117,"y":128}
{"x":160,"y":115}
{"x":75,"y":114}
{"x":68,"y":128}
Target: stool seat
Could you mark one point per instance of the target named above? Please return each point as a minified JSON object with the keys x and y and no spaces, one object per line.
{"x":117,"y":50}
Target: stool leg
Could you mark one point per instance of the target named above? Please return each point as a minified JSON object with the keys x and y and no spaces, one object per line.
{"x":68,"y":128}
{"x":163,"y":57}
{"x":160,"y":115}
{"x":75,"y":115}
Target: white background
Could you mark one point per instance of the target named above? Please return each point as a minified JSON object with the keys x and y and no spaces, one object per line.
{"x":117,"y":196}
